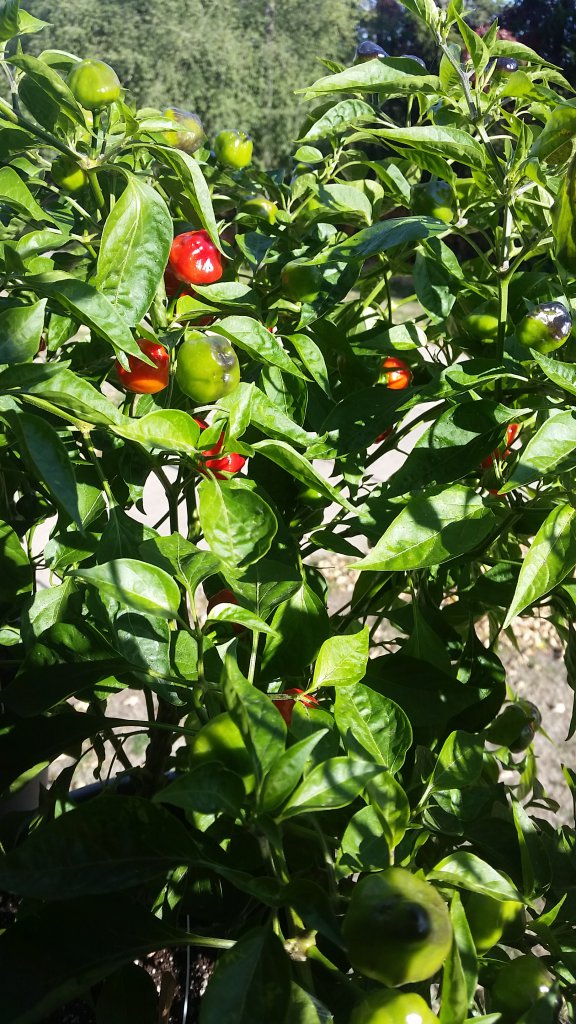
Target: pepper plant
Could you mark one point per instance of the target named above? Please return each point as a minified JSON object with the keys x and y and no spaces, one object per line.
{"x":291,"y":746}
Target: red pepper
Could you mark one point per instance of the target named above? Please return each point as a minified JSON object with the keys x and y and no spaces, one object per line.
{"x":141,"y":378}
{"x":194,"y":259}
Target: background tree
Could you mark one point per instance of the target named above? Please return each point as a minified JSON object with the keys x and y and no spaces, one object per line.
{"x":549,"y":26}
{"x":237,"y":63}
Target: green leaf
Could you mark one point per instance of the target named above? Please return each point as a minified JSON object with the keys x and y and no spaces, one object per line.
{"x":238,"y":525}
{"x":550,"y":558}
{"x":372,"y":726}
{"x":20,"y":332}
{"x":171,"y":430}
{"x":454,"y":1003}
{"x":16,"y":193}
{"x":467,"y":871}
{"x":87,"y":305}
{"x":474,"y":44}
{"x":301,"y":624}
{"x":64,"y":968}
{"x":431,"y":529}
{"x":67,"y":390}
{"x":345,"y":198}
{"x":236,"y":614}
{"x":342,"y":660}
{"x":387,"y":235}
{"x":15,"y":568}
{"x":134,"y":250}
{"x":105,"y":845}
{"x":390,"y":800}
{"x":250,"y":982}
{"x":208,"y":789}
{"x":559,"y":129}
{"x":424,"y":9}
{"x":9,"y":20}
{"x":261,"y":725}
{"x":313,"y":359}
{"x":195,"y":186}
{"x":46,"y":94}
{"x":299,"y":466}
{"x":306,"y":1009}
{"x":364,"y":846}
{"x":261,"y":345}
{"x":334,"y":783}
{"x":48,"y":607}
{"x":286,"y":772}
{"x":343,"y":115}
{"x":552,"y":448}
{"x":272,"y":422}
{"x":449,"y":143}
{"x":562,"y":374}
{"x":136,"y":585}
{"x":452,"y":446}
{"x":49,"y":459}
{"x":564,"y":220}
{"x":459,"y":762}
{"x":386,"y":77}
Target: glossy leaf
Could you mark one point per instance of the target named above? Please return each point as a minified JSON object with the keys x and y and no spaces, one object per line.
{"x":250,"y":982}
{"x":299,"y":466}
{"x":364,"y":846}
{"x":375,"y":76}
{"x":285,"y":773}
{"x":135,"y":584}
{"x":169,"y":430}
{"x":15,"y":193}
{"x":20,"y":331}
{"x":105,"y":845}
{"x":341,"y":115}
{"x":450,"y":143}
{"x":551,"y":448}
{"x":459,"y":762}
{"x":468,"y":871}
{"x":564,"y":220}
{"x":134,"y":250}
{"x":88,"y":305}
{"x":259,"y":722}
{"x":372,"y":726}
{"x":49,"y":460}
{"x":237,"y":523}
{"x":551,"y":557}
{"x":431,"y":530}
{"x":342,"y":660}
{"x":195,"y":186}
{"x":207,"y":789}
{"x":261,"y":345}
{"x":335,"y":783}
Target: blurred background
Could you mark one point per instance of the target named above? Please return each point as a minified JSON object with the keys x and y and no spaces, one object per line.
{"x":237,"y":63}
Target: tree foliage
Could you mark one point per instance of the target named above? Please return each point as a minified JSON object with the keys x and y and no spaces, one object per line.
{"x":234,"y":63}
{"x":548,"y":25}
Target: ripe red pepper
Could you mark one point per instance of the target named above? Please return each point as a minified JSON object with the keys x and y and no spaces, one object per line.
{"x":395,"y":373}
{"x":222,"y":597}
{"x":512,"y":432}
{"x":141,"y":378}
{"x":286,"y":707}
{"x":227,"y":465}
{"x":194,"y":259}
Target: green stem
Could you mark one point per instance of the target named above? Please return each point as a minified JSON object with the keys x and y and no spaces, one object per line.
{"x":97,"y":191}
